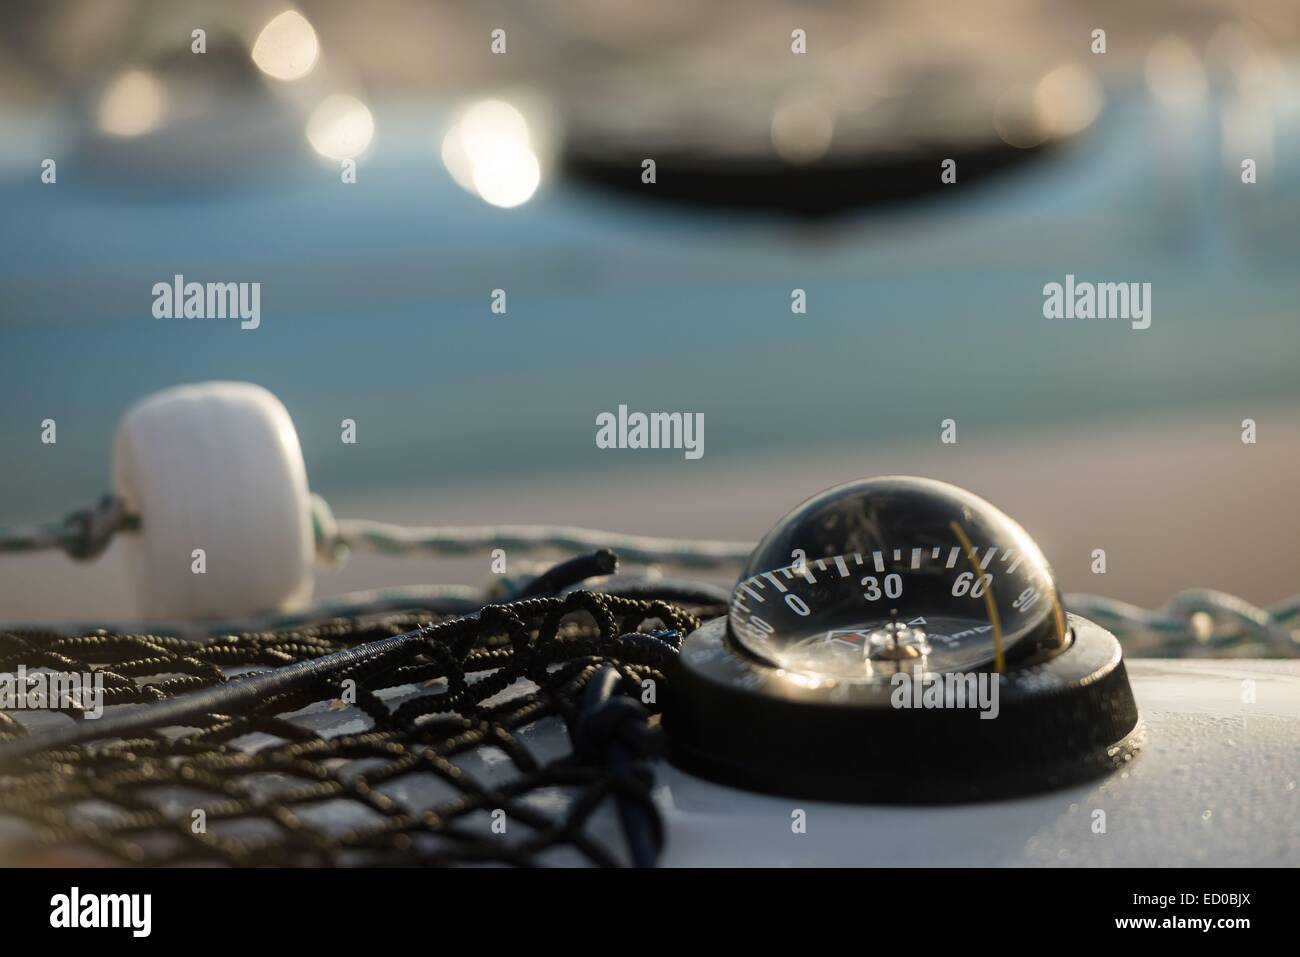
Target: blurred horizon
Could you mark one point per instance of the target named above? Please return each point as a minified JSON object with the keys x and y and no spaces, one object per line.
{"x":376,"y":295}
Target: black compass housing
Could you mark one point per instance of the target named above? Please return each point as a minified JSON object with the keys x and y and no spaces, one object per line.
{"x":739,"y":721}
{"x":899,"y":640}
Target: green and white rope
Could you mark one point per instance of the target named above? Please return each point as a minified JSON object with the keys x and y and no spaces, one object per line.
{"x":87,"y":532}
{"x":1198,"y":621}
{"x":1195,"y":622}
{"x":334,"y":538}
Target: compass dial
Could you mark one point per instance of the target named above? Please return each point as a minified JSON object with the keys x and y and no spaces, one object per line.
{"x":896,"y":574}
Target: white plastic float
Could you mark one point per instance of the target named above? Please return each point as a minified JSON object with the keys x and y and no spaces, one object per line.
{"x":217,"y":475}
{"x":211,"y":491}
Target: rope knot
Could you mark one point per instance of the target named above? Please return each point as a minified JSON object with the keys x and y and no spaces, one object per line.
{"x":331,"y":549}
{"x":611,"y":723}
{"x":87,"y":532}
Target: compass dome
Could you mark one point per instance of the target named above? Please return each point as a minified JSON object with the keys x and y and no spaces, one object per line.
{"x":897,"y":573}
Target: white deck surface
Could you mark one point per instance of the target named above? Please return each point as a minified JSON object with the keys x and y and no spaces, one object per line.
{"x":1217,"y":784}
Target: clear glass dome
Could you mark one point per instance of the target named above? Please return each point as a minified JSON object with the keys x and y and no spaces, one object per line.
{"x":896,"y":573}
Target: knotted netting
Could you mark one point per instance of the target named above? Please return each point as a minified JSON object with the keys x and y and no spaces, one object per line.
{"x":523,"y":734}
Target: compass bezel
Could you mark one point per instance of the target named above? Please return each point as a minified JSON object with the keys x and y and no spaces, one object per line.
{"x":738,"y":720}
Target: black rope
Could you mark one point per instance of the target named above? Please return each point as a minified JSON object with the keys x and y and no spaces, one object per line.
{"x":465,"y":687}
{"x":572,"y":572}
{"x":613,"y":730}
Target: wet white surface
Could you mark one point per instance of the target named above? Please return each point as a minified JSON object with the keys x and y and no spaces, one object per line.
{"x":1217,"y":784}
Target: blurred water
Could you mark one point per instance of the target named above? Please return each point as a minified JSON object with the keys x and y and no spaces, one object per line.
{"x":375,"y":306}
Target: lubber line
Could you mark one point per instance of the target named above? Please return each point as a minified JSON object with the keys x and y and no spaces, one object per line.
{"x":999,"y":659}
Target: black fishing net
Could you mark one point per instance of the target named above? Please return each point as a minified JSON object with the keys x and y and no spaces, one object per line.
{"x":435,"y":755}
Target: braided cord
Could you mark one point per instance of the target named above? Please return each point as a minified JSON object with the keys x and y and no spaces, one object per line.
{"x":414,"y":790}
{"x":335,"y":537}
{"x":83,"y":534}
{"x":87,"y":532}
{"x":1198,"y":621}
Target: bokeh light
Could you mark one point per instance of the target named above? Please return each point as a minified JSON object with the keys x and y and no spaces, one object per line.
{"x":133,"y":104}
{"x":287,"y":48}
{"x":801,"y":129}
{"x":1067,"y":100}
{"x":1016,"y":118}
{"x":1175,"y":74}
{"x":489,"y":152}
{"x":341,"y":127}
